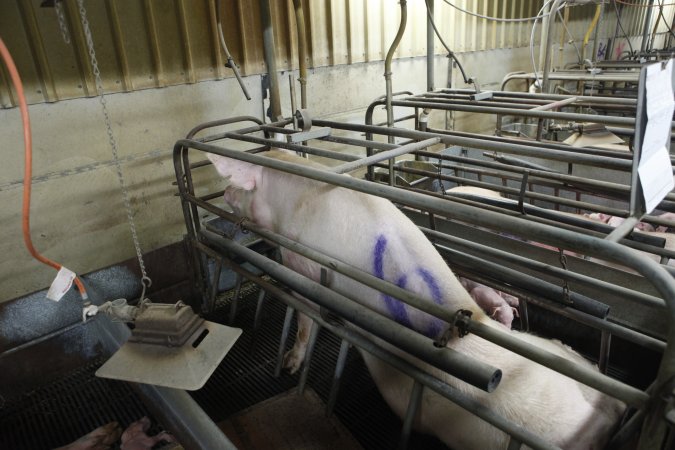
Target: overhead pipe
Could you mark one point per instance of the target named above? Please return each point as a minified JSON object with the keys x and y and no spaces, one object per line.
{"x":591,"y":27}
{"x":596,"y":41}
{"x":230,"y":61}
{"x":546,"y":38}
{"x":269,"y":47}
{"x":647,"y":27}
{"x":387,"y":65}
{"x":430,"y":47}
{"x":302,"y":51}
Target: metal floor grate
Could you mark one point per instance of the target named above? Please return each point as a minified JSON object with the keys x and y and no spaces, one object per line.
{"x":65,"y":410}
{"x":246,"y":377}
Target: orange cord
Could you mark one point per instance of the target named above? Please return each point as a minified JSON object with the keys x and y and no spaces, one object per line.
{"x":28,"y":170}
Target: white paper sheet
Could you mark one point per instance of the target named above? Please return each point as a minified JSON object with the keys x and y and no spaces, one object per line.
{"x":655,"y":169}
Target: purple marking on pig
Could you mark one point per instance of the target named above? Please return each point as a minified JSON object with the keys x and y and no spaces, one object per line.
{"x":433,"y":286}
{"x":395,"y":307}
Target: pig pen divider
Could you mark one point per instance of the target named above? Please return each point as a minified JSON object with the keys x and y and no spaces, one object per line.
{"x":454,"y":210}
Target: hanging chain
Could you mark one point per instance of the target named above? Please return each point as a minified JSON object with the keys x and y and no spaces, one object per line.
{"x":58,"y":7}
{"x":145,"y":280}
{"x":565,"y":287}
{"x":440,"y":173}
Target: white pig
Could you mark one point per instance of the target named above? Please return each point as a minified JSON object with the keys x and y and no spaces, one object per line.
{"x":371,"y":233}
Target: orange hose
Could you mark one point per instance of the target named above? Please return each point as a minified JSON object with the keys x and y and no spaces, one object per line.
{"x":28,"y":169}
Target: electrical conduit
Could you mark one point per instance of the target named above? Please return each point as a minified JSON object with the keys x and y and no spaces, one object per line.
{"x":387,"y":65}
{"x":302,"y":51}
{"x":28,"y":169}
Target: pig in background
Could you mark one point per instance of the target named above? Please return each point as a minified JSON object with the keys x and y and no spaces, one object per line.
{"x":372,"y":234}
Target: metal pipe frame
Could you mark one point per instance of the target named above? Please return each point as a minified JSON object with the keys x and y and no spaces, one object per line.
{"x":387,"y":63}
{"x":365,"y":344}
{"x":550,"y":235}
{"x":302,"y":51}
{"x":269,"y":48}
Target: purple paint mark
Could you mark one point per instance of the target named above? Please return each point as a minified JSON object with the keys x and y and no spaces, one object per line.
{"x":395,"y":307}
{"x":433,"y":286}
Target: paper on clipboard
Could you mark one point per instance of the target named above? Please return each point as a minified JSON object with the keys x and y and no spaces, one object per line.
{"x":655,"y":169}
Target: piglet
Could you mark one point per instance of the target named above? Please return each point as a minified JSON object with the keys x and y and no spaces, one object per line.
{"x":370,"y":233}
{"x":498,"y":305}
{"x":101,"y":438}
{"x":135,"y":437}
{"x":615,"y":221}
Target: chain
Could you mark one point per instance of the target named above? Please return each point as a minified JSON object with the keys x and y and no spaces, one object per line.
{"x":145,"y":280}
{"x":565,"y":287}
{"x":440,"y":173}
{"x":58,"y":7}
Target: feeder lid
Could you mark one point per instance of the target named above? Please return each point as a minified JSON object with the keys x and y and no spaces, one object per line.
{"x":150,"y":358}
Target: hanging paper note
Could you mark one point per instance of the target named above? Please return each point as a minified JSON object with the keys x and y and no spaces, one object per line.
{"x":61,"y":284}
{"x":655,"y":169}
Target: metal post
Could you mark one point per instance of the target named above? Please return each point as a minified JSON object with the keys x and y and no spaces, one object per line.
{"x":547,"y":40}
{"x":411,"y":412}
{"x":430,"y":47}
{"x":284,"y":338}
{"x":313,"y":334}
{"x":269,"y":48}
{"x":337,"y":376}
{"x":387,"y":65}
{"x":302,"y":51}
{"x":647,"y":27}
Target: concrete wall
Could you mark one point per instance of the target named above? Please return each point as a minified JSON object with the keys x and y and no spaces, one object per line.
{"x":77,"y":215}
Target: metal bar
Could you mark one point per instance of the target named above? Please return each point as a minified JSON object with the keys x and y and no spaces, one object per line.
{"x":555,"y":105}
{"x":456,"y":396}
{"x":402,"y":150}
{"x":647,"y":26}
{"x":269,"y":48}
{"x":337,"y":376}
{"x":506,"y":147}
{"x":476,"y":373}
{"x":387,"y":65}
{"x":235,"y":300}
{"x":582,"y":99}
{"x":258,"y":309}
{"x":302,"y":51}
{"x":625,"y":228}
{"x":546,"y":42}
{"x":605,"y":345}
{"x":430,"y":46}
{"x":311,"y":343}
{"x":284,"y":338}
{"x":608,"y":120}
{"x":411,"y":412}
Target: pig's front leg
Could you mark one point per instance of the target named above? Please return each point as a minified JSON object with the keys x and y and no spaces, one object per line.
{"x":294,"y":358}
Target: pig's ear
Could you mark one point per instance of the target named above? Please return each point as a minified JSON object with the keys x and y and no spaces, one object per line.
{"x":241,"y":174}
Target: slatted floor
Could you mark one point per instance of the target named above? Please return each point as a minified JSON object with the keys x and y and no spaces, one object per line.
{"x":246,"y":377}
{"x":63,"y":411}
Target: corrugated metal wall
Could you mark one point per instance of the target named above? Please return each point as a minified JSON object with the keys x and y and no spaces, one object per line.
{"x":152,"y":43}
